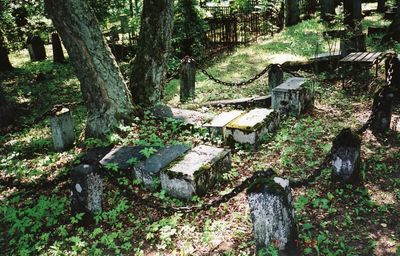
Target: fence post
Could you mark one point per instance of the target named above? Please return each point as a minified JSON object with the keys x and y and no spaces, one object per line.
{"x":275,"y":77}
{"x":187,"y":80}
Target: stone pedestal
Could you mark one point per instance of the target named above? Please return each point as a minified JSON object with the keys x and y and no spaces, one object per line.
{"x":62,"y":130}
{"x":272,"y":215}
{"x":87,"y":191}
{"x":346,"y":157}
{"x":36,"y":49}
{"x":187,"y":80}
{"x":58,"y":55}
{"x":382,"y":109}
{"x":275,"y":77}
{"x":197,"y":172}
{"x":396,"y":73}
{"x":149,"y":170}
{"x":292,"y":97}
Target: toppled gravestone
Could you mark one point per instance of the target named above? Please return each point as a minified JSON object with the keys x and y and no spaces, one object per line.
{"x":346,"y":157}
{"x":149,"y":170}
{"x":196,"y":173}
{"x":272,"y":214}
{"x":87,"y":191}
{"x":121,"y":156}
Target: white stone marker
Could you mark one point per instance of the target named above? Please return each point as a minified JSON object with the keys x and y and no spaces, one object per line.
{"x":250,"y":127}
{"x":272,"y":215}
{"x":197,"y":172}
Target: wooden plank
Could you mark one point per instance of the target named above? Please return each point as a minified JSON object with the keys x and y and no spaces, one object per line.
{"x":361,"y":57}
{"x":348,"y":57}
{"x":374,"y":56}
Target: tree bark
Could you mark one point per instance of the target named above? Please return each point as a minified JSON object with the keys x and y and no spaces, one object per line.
{"x":104,"y":91}
{"x":352,"y":12}
{"x":5,"y":64}
{"x":149,"y":66}
{"x":327,"y":10}
{"x":381,"y":6}
{"x":292,"y":12}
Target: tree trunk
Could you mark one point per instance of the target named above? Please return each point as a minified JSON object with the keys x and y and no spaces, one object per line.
{"x":149,"y":66}
{"x":104,"y":91}
{"x":292,"y":12}
{"x":352,"y":12}
{"x":5,"y":64}
{"x":327,"y":10}
{"x":381,"y":6}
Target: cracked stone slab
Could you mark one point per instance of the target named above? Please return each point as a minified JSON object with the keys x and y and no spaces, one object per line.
{"x":250,"y":127}
{"x":197,"y":172}
{"x":149,"y":170}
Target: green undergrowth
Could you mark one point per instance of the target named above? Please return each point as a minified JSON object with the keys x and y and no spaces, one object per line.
{"x":332,"y":219}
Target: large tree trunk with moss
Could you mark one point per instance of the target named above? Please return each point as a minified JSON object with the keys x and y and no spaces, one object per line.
{"x":105,"y":93}
{"x":5,"y":64}
{"x":150,"y":64}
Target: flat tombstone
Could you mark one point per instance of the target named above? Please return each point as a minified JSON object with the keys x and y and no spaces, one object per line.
{"x":272,"y":215}
{"x":149,"y":170}
{"x":121,"y":156}
{"x":196,"y":173}
{"x":346,"y":157}
{"x":87,"y":191}
{"x":58,"y":55}
{"x":62,"y":130}
{"x":218,"y":125}
{"x":187,"y":80}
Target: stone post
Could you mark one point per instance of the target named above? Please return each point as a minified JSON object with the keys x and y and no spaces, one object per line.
{"x":187,"y":80}
{"x":275,"y":77}
{"x":62,"y":130}
{"x":292,"y":12}
{"x":36,"y":49}
{"x":87,"y":191}
{"x":396,"y":73}
{"x":272,"y":214}
{"x":58,"y":55}
{"x":346,"y":157}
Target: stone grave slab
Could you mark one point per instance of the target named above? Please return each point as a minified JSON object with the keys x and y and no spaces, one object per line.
{"x":120,"y":156}
{"x":250,"y":127}
{"x":197,"y":172}
{"x":190,"y":117}
{"x":292,"y":96}
{"x":218,"y":125}
{"x":257,"y":101}
{"x":148,"y":170}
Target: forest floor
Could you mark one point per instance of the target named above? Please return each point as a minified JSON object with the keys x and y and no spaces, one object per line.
{"x":332,"y":219}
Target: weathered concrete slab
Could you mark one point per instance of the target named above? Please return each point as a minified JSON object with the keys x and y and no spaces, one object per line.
{"x":292,"y":96}
{"x":149,"y":170}
{"x":197,"y":172}
{"x":250,"y":127}
{"x":259,"y":101}
{"x":121,"y":155}
{"x":219,"y":123}
{"x":272,"y":215}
